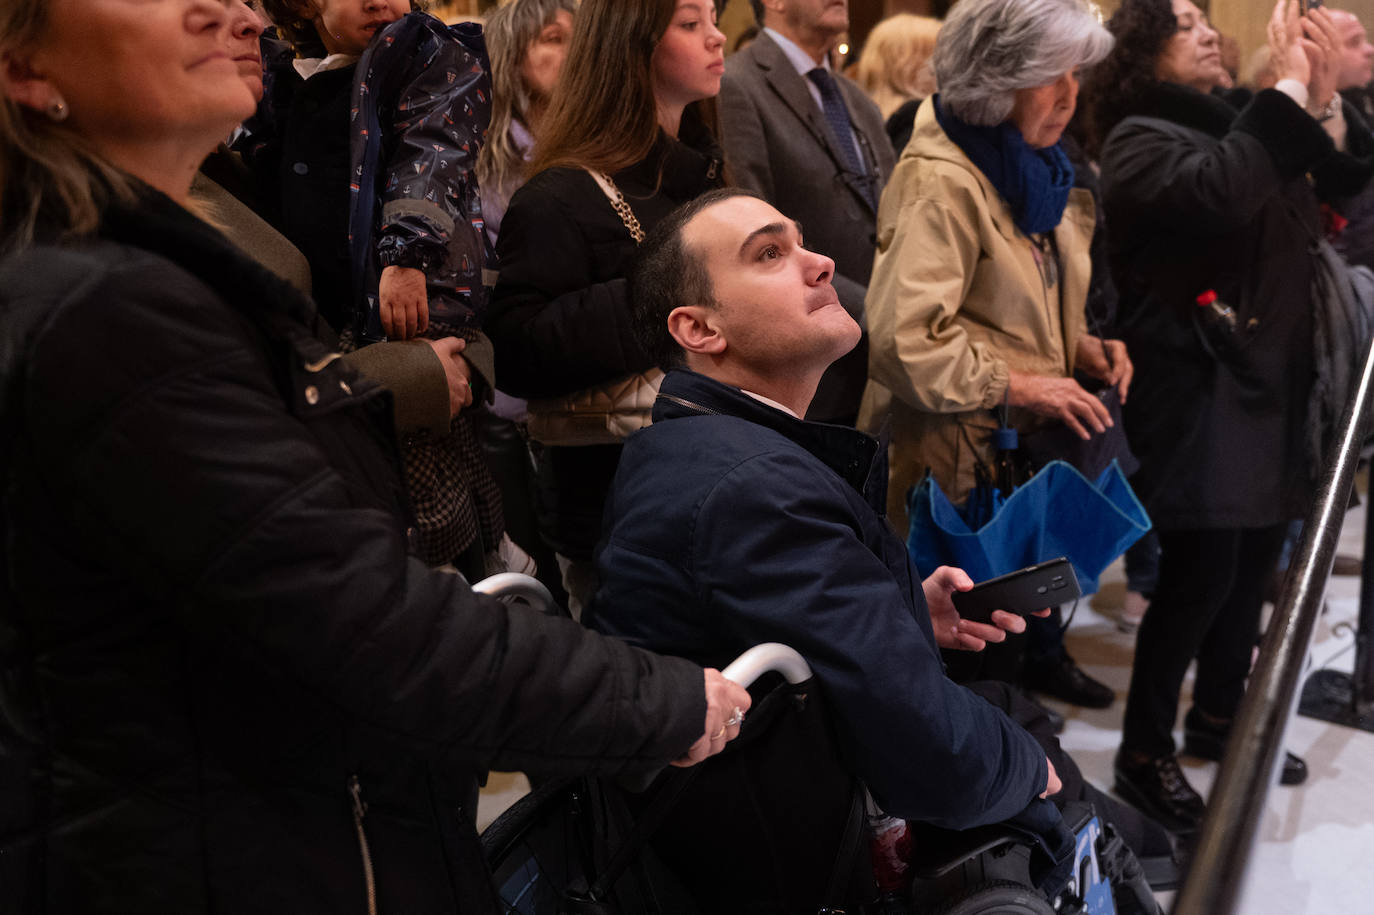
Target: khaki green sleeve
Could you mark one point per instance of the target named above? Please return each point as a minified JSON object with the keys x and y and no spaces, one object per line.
{"x":411,"y":370}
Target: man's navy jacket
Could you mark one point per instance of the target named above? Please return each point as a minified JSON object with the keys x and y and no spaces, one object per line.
{"x":732,"y":523}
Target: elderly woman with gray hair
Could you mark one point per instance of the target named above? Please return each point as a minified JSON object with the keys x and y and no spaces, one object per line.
{"x":976,"y":304}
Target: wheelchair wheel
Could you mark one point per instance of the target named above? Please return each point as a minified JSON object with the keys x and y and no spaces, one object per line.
{"x":538,"y":847}
{"x":548,"y":849}
{"x":999,"y":898}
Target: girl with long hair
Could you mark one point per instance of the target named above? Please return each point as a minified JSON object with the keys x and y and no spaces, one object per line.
{"x":614,"y":156}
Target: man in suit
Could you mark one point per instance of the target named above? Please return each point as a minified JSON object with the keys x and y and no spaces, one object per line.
{"x":811,"y":143}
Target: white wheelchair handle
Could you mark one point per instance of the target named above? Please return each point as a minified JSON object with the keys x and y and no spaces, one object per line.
{"x":770,"y":656}
{"x":744,"y":670}
{"x":514,"y":584}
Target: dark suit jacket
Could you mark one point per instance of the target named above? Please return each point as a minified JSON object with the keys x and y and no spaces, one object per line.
{"x":777,"y":143}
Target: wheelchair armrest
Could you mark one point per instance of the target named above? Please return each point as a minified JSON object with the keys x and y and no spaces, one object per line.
{"x":947,"y":849}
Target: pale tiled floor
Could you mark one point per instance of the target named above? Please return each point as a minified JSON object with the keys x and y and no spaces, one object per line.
{"x":1315,"y":851}
{"x":1315,"y":848}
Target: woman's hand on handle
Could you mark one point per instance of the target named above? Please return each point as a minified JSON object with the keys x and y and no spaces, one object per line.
{"x":726,"y":703}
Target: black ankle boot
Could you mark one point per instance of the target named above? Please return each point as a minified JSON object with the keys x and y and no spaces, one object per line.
{"x":1157,"y":786}
{"x":1205,"y":738}
{"x":1064,"y":679}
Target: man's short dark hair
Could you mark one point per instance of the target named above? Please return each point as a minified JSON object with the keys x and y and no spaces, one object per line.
{"x":758,"y":10}
{"x":666,"y":274}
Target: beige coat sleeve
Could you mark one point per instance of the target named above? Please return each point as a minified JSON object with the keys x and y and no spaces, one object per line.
{"x":927,"y":256}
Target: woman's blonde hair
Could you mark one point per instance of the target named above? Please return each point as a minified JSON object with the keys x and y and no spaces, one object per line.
{"x":895,"y":64}
{"x":509,"y":32}
{"x":603,"y":115}
{"x":51,"y":182}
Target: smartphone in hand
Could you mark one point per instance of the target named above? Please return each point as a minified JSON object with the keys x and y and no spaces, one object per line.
{"x":1024,"y":591}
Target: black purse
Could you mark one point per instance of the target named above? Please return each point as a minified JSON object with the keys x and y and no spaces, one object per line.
{"x":1054,"y":441}
{"x":1057,"y":442}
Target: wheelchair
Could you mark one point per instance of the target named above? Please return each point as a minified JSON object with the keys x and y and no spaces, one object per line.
{"x":774,"y":824}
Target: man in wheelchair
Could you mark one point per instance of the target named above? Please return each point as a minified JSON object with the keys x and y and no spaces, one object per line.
{"x":733,"y":522}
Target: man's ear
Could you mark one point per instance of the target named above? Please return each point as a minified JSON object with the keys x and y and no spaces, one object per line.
{"x":694,"y":328}
{"x":23,"y":85}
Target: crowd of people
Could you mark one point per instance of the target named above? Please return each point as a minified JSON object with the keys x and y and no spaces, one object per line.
{"x":315,"y":312}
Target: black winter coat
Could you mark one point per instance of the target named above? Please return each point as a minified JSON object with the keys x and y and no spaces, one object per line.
{"x":298,"y":148}
{"x":217,"y":660}
{"x":1200,"y":196}
{"x":560,"y":315}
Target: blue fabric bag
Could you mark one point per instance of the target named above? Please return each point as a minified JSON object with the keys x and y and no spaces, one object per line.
{"x":1057,"y":512}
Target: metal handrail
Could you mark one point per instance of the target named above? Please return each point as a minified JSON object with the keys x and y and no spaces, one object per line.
{"x":1217,"y":874}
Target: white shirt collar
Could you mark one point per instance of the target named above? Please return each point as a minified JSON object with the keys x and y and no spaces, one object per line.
{"x":309,"y":66}
{"x":799,"y":59}
{"x":770,"y":403}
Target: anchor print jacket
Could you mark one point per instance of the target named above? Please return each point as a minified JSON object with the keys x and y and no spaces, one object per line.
{"x":421,"y":107}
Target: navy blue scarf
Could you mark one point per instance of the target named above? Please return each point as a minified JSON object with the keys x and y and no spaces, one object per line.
{"x":1034,"y":182}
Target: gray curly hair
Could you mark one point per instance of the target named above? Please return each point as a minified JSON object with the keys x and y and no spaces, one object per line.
{"x":990,"y":48}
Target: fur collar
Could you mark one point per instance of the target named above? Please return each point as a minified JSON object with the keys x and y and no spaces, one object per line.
{"x":1210,"y":113}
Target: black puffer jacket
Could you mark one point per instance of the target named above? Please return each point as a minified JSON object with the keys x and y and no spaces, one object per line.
{"x":212,"y":639}
{"x":560,"y":315}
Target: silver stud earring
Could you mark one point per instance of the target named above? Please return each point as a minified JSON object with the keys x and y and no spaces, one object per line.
{"x":57,"y":109}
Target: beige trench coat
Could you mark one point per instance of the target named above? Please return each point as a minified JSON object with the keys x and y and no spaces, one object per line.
{"x":956,"y":301}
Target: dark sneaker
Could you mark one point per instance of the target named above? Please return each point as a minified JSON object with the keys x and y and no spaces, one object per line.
{"x":1157,"y":786}
{"x":1066,"y":680}
{"x":1207,"y":740}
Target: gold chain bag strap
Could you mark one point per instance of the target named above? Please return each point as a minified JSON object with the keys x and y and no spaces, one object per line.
{"x":622,"y":209}
{"x":606,"y":413}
